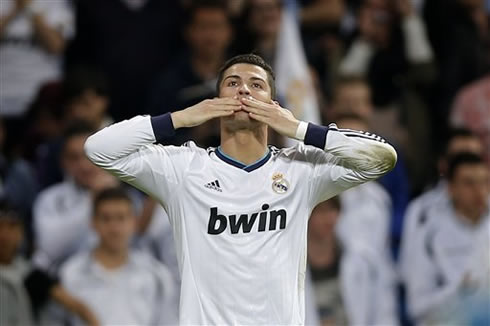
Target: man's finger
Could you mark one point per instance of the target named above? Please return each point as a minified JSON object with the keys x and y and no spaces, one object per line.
{"x":258,"y":117}
{"x":257,"y":104}
{"x":227,"y":107}
{"x":257,"y":111}
{"x":226,"y":101}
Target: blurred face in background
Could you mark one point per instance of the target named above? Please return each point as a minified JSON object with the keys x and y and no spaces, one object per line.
{"x":76,"y":164}
{"x":464,"y":144}
{"x":209,"y":33}
{"x":323,"y":220}
{"x":470,"y":189}
{"x":88,"y":106}
{"x":265,"y":18}
{"x":114,"y":222}
{"x":375,"y":21}
{"x":354,"y":98}
{"x":457,"y":145}
{"x":11,"y":236}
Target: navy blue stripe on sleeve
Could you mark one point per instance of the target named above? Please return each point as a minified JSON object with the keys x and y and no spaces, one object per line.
{"x":163,"y":127}
{"x":316,"y":135}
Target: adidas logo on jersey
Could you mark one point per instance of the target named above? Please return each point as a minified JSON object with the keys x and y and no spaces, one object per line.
{"x":267,"y":221}
{"x":213,"y":185}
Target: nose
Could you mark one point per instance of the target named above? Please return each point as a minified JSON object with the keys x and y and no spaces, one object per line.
{"x":243,"y":90}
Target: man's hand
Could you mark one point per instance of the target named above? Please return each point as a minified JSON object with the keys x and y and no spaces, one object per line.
{"x":204,"y":111}
{"x":273,"y":115}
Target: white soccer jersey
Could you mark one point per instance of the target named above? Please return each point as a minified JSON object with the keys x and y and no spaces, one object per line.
{"x":240,"y":230}
{"x":437,"y":271}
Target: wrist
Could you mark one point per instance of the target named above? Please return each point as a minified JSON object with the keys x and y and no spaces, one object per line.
{"x":177,"y":120}
{"x":301,"y":130}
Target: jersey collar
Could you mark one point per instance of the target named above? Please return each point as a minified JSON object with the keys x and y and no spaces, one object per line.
{"x":250,"y":167}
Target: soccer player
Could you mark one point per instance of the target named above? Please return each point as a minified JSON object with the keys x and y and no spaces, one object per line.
{"x":239,"y":211}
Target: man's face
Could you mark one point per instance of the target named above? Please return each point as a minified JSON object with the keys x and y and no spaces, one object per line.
{"x":10,"y":239}
{"x":89,"y":106}
{"x":323,"y":220}
{"x":244,"y":80}
{"x":354,"y":98}
{"x":464,"y":144}
{"x":209,"y":34}
{"x":457,"y":145}
{"x":75,"y":162}
{"x":265,"y":17}
{"x":114,"y":222}
{"x":470,"y":189}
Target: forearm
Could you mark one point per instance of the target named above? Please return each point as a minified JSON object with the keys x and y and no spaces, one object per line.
{"x":416,"y":41}
{"x":365,"y":153}
{"x":50,"y":38}
{"x":5,"y":20}
{"x":124,"y":138}
{"x":75,"y":306}
{"x":356,"y":61}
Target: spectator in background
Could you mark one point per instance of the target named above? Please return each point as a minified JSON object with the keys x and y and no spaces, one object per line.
{"x":192,"y":76}
{"x":416,"y":217}
{"x":450,"y":237}
{"x":158,"y":238}
{"x":259,"y":28}
{"x":23,"y":288}
{"x":324,"y":254}
{"x":459,"y":33}
{"x":471,"y":109}
{"x":33,"y":35}
{"x":17,"y":179}
{"x":123,"y":287}
{"x":366,"y":271}
{"x":323,"y":24}
{"x":85,"y":98}
{"x":270,"y":29}
{"x":393,"y":53}
{"x":130,"y":42}
{"x":352,"y":101}
{"x":61,"y":213}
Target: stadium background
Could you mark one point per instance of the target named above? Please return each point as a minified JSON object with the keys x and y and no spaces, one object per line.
{"x":409,"y":70}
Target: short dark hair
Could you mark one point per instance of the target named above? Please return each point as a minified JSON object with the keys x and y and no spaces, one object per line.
{"x":75,"y":129}
{"x":82,"y":78}
{"x":252,"y":59}
{"x":460,"y":159}
{"x":453,"y":133}
{"x":113,"y":193}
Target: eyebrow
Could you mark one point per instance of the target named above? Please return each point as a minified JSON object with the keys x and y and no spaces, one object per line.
{"x":251,"y":78}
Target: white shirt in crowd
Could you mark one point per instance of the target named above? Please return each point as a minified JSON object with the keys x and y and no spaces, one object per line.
{"x":159,"y":240}
{"x":240,"y":230}
{"x":366,"y":271}
{"x":62,"y":223}
{"x":142,"y":292}
{"x":448,"y":242}
{"x":415,"y":225}
{"x":25,"y":64}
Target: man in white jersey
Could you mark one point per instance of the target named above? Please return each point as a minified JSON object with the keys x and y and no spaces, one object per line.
{"x":239,"y":212}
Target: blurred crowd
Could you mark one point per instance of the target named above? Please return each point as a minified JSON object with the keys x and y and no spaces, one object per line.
{"x":77,"y":247}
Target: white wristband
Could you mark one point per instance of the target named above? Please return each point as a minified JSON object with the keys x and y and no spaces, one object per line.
{"x":301,"y":131}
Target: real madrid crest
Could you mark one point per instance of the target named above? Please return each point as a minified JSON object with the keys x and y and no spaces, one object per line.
{"x":279,"y":184}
